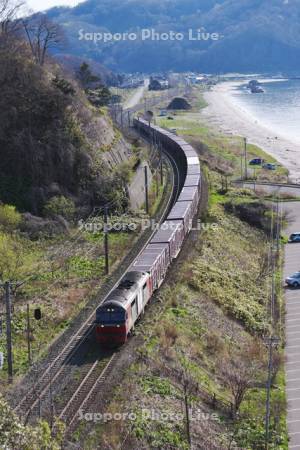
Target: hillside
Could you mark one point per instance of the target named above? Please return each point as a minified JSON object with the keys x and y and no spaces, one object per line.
{"x":53,"y":142}
{"x":257,"y":35}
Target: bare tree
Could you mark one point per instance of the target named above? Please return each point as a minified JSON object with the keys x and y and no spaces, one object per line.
{"x":9,"y":12}
{"x":240,"y":372}
{"x":42,"y":34}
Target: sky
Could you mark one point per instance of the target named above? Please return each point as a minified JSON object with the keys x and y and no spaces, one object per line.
{"x":41,"y":5}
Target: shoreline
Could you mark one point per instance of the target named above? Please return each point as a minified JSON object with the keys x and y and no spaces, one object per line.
{"x":230,"y":119}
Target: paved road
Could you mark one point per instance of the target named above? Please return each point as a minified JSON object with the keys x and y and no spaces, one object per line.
{"x":292,"y":264}
{"x":137,"y":96}
{"x":273,"y":189}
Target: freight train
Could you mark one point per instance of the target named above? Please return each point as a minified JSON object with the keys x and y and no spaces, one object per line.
{"x":118,"y":314}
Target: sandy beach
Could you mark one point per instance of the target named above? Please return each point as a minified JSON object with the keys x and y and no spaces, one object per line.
{"x":229,"y":118}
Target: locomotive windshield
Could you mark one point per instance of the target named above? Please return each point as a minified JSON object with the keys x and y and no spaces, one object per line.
{"x":110,"y":314}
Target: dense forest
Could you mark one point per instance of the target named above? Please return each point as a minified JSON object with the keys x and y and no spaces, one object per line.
{"x":255,"y":35}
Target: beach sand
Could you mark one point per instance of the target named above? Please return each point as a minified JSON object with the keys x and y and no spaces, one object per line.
{"x":229,"y":118}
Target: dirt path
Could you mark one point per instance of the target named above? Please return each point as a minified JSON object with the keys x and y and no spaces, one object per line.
{"x":137,"y":97}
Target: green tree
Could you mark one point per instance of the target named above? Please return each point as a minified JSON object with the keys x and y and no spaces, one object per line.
{"x":85,"y":76}
{"x":60,"y":206}
{"x":64,"y":86}
{"x":100,"y":96}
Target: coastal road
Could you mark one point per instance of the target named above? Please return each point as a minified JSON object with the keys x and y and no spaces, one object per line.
{"x":292,"y":297}
{"x":271,"y":189}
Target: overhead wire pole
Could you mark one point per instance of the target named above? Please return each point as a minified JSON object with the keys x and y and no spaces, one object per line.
{"x":7,"y":287}
{"x":159,"y":150}
{"x":146,"y":190}
{"x":267,"y":420}
{"x":106,"y":251}
{"x":245,"y":157}
{"x":242,"y":166}
{"x":272,"y":340}
{"x":28,"y":335}
{"x":121,"y":116}
{"x":278,"y":227}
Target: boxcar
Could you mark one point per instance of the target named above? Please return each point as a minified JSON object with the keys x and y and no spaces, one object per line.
{"x":172,"y":234}
{"x":193,"y":169}
{"x":193,"y":180}
{"x":164,"y":248}
{"x":190,"y":194}
{"x":182,"y":211}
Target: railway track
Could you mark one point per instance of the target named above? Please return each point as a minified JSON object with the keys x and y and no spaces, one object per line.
{"x":93,"y":376}
{"x":91,"y":384}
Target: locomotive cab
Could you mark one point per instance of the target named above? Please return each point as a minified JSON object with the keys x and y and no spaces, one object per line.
{"x":111,"y":321}
{"x":116,"y":316}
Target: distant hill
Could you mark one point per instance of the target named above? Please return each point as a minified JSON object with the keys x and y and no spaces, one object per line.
{"x":258,"y":35}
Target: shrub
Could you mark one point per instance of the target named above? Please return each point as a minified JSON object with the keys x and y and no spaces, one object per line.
{"x":10,"y":218}
{"x":60,"y":206}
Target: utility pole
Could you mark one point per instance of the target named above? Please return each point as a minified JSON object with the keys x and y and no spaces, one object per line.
{"x":278,"y":225}
{"x":157,"y":181}
{"x":272,"y":342}
{"x":187,"y":412}
{"x":7,"y":285}
{"x":242,"y":166}
{"x":51,"y":401}
{"x":106,"y":240}
{"x":245,"y":156}
{"x":146,"y":190}
{"x":28,"y":335}
{"x":121,"y":116}
{"x":7,"y":288}
{"x":159,"y":147}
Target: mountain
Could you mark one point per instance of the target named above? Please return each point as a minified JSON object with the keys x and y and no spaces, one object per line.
{"x":253,"y":35}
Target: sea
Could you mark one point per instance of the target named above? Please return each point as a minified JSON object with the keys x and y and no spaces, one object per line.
{"x":278,"y":108}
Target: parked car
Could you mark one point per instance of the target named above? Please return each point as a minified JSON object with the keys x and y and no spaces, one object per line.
{"x":293,"y":280}
{"x":269,"y":166}
{"x":256,"y":162}
{"x":294,"y":237}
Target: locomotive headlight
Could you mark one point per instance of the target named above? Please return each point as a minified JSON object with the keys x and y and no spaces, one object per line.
{"x":102,"y":326}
